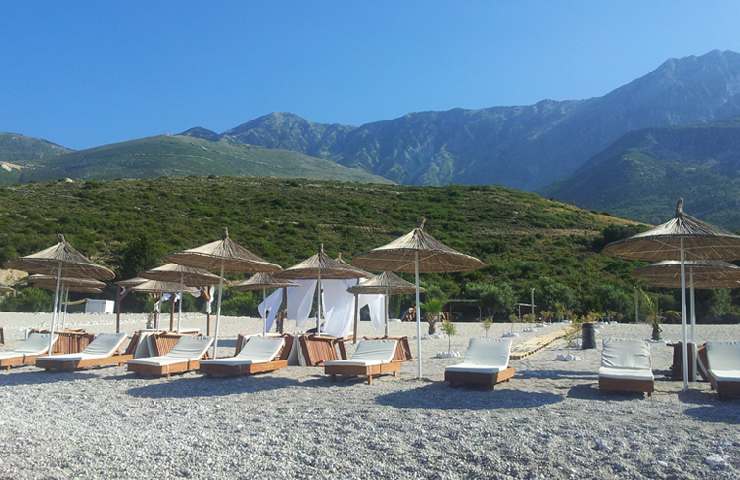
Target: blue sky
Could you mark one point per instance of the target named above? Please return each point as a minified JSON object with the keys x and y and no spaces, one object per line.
{"x":88,"y":73}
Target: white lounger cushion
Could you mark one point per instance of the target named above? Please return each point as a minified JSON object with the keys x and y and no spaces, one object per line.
{"x":35,"y":344}
{"x":626,"y":373}
{"x":187,"y":348}
{"x":104,"y":345}
{"x":724,"y":361}
{"x":256,"y":350}
{"x":369,"y":352}
{"x":622,"y":353}
{"x":484,"y":355}
{"x":626,"y":359}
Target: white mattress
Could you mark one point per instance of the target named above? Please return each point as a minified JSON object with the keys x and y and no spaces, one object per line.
{"x":466,"y":367}
{"x":354,"y":363}
{"x":626,"y":373}
{"x":726,"y":375}
{"x":158,"y":361}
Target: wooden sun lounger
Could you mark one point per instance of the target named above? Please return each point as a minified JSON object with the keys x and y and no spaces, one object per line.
{"x":184,"y":357}
{"x":215,"y":369}
{"x":26,"y":352}
{"x":625,"y":367}
{"x":723,"y":368}
{"x":486,"y":363}
{"x":371,"y":359}
{"x":101,"y":352}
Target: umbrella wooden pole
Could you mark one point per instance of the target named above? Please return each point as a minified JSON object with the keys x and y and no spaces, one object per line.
{"x":386,"y":302}
{"x":264,"y":319}
{"x":318,"y":303}
{"x":157,"y":307}
{"x":357,"y":319}
{"x":64,"y":314}
{"x":418,"y":316}
{"x":179,"y":303}
{"x":56,"y":304}
{"x":172,"y":312}
{"x":692,"y":337}
{"x":285,"y":317}
{"x":119,"y":299}
{"x":684,"y":333}
{"x":218,"y":310}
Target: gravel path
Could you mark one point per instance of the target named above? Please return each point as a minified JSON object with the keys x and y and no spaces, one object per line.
{"x":549,"y":422}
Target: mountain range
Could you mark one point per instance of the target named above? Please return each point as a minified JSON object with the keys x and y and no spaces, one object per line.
{"x":551,"y":146}
{"x":643,"y":173}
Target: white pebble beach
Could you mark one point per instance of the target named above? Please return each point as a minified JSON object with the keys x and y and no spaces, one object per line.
{"x":549,"y":422}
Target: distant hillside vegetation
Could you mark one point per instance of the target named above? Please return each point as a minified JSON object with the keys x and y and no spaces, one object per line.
{"x":526,"y":241}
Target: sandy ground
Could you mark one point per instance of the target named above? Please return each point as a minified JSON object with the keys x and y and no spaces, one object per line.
{"x":550,"y":421}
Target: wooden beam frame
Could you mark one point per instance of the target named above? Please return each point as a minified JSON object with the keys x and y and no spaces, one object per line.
{"x":52,"y":364}
{"x":627,"y":386}
{"x":485,"y":380}
{"x":368,"y":371}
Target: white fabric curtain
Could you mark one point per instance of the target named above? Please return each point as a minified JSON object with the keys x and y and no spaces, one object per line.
{"x":270,"y":307}
{"x":300,"y":299}
{"x":377,"y":309}
{"x":339,"y":306}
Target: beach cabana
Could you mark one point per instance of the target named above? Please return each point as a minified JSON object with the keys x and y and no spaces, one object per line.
{"x":704,"y":275}
{"x":182,"y":275}
{"x":264,"y":281}
{"x":417,"y":252}
{"x":61,"y":260}
{"x":222,"y":256}
{"x":683,"y":238}
{"x":321,"y":267}
{"x":386,"y":284}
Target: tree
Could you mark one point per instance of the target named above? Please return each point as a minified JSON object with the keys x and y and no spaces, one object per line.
{"x":497,"y":298}
{"x":27,"y":300}
{"x":431,"y":309}
{"x":139,"y":255}
{"x":449,"y":328}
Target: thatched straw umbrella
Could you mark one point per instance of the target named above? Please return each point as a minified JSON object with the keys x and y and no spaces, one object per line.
{"x":682,"y":238}
{"x":122,"y":290}
{"x":704,"y":275}
{"x":184,"y":275}
{"x":223,"y":255}
{"x":262,"y":281}
{"x":387,"y":284}
{"x":159,"y":288}
{"x":321,"y":266}
{"x":417,"y":251}
{"x":61,"y":260}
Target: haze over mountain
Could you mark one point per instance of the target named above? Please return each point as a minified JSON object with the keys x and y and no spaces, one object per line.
{"x":643,"y":173}
{"x":525,"y":147}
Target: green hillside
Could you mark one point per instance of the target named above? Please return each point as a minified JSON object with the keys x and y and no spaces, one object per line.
{"x":185,"y":155}
{"x":643,"y":173}
{"x":527,"y":241}
{"x":22,"y":150}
